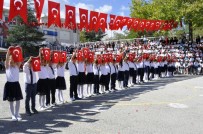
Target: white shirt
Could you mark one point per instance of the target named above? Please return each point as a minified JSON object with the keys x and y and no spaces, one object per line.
{"x":103,"y":70}
{"x":120,"y":68}
{"x":27,"y":76}
{"x":146,"y":63}
{"x":81,"y":66}
{"x":96,"y":69}
{"x":89,"y":68}
{"x":51,"y":73}
{"x":131,"y":65}
{"x":61,"y":71}
{"x":72,"y":69}
{"x":43,"y":74}
{"x":108,"y":69}
{"x":156,"y":64}
{"x":113,"y":68}
{"x":12,"y":74}
{"x":126,"y":66}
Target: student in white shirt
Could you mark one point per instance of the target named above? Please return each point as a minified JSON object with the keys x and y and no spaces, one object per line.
{"x":114,"y":71}
{"x":89,"y":78}
{"x":51,"y":69}
{"x":81,"y":77}
{"x":60,"y":81}
{"x":108,"y":78}
{"x":126,"y":72}
{"x":30,"y":87}
{"x":131,"y":72}
{"x":120,"y":74}
{"x":42,"y":83}
{"x":73,"y":78}
{"x":96,"y":76}
{"x":12,"y":89}
{"x":103,"y":76}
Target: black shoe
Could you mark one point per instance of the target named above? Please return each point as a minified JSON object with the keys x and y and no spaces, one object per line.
{"x":28,"y":113}
{"x":35,"y":111}
{"x":78,"y":98}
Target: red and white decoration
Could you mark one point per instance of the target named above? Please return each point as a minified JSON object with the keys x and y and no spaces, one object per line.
{"x":36,"y":65}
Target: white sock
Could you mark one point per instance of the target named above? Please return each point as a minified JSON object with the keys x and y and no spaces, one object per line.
{"x":61,"y":94}
{"x":11,"y":108}
{"x":43,"y":100}
{"x":88,"y":86}
{"x":17,"y":108}
{"x":40,"y":100}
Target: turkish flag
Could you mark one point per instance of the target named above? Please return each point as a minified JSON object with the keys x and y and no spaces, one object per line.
{"x":63,"y":56}
{"x":152,"y":25}
{"x":91,"y":56}
{"x":93,"y":20}
{"x":141,"y":26}
{"x":36,"y":64}
{"x":135,"y":24}
{"x":129,"y":23}
{"x":80,"y":55}
{"x":102,"y":22}
{"x":117,"y":22}
{"x":16,"y":53}
{"x":158,"y":25}
{"x":124,"y":22}
{"x":1,"y":8}
{"x":38,"y":8}
{"x":131,"y":57}
{"x":147,"y":25}
{"x":105,"y":57}
{"x":54,"y":14}
{"x":118,"y":58}
{"x":111,"y":23}
{"x":55,"y":56}
{"x":70,"y":21}
{"x":85,"y":52}
{"x":83,"y":18}
{"x":46,"y":54}
{"x":110,"y":57}
{"x":18,"y":7}
{"x":165,"y":25}
{"x":99,"y":58}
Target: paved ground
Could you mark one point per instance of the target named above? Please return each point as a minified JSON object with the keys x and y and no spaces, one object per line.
{"x":165,"y":106}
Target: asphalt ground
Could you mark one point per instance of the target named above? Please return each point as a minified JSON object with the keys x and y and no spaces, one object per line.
{"x":163,"y":106}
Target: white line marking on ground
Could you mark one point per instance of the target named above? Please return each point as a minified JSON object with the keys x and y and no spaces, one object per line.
{"x":177,"y":105}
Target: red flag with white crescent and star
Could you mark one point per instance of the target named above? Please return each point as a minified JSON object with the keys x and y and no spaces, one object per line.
{"x":111,"y":23}
{"x":46,"y":54}
{"x":63,"y":56}
{"x":93,"y":20}
{"x":54,"y":14}
{"x":102,"y":22}
{"x":39,"y":4}
{"x":18,"y":7}
{"x":36,"y":64}
{"x":55,"y":56}
{"x":16,"y":53}
{"x":70,"y":21}
{"x":83,"y":18}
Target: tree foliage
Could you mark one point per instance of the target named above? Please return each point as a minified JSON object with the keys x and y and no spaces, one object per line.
{"x":189,"y":10}
{"x":26,"y":35}
{"x":91,"y":36}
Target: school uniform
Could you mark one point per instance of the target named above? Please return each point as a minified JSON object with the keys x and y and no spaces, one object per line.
{"x":126,"y":73}
{"x":135,"y":74}
{"x":165,"y":67}
{"x":131,"y":69}
{"x":108,"y":77}
{"x":113,"y":75}
{"x":90,"y":74}
{"x":73,"y":79}
{"x":81,"y":73}
{"x":12,"y":89}
{"x":60,"y":80}
{"x":42,"y":83}
{"x":103,"y":76}
{"x":30,"y":87}
{"x":120,"y":73}
{"x":147,"y":69}
{"x":52,"y":84}
{"x":152,"y":69}
{"x":96,"y":78}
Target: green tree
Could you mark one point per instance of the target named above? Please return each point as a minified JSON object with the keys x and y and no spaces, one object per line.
{"x":189,"y":10}
{"x":91,"y":36}
{"x":26,"y":35}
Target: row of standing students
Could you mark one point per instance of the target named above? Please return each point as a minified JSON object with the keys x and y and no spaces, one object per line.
{"x":100,"y":78}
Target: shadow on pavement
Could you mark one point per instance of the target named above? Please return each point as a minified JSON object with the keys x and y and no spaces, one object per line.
{"x":80,"y":111}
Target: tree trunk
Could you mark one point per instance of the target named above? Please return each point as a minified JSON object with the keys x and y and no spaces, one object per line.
{"x":190,"y":31}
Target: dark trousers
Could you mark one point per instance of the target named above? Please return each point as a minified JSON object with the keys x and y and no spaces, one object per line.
{"x":148,"y":72}
{"x":135,"y":77}
{"x":126,"y":78}
{"x":113,"y":80}
{"x":108,"y":78}
{"x":142,"y":74}
{"x":159,"y":71}
{"x":31,"y":91}
{"x":51,"y":90}
{"x":96,"y":83}
{"x":73,"y":86}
